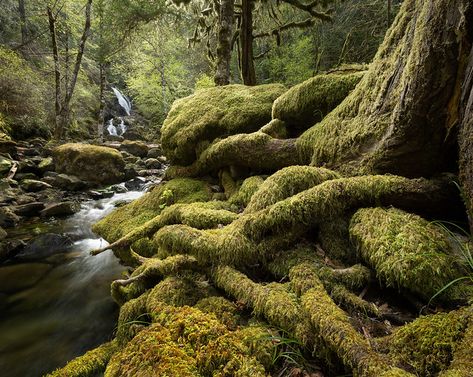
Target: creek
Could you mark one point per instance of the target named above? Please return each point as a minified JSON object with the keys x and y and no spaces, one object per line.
{"x":58,"y":306}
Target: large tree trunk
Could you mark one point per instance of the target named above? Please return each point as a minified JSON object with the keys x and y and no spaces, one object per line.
{"x":224,"y":49}
{"x":248,"y":72}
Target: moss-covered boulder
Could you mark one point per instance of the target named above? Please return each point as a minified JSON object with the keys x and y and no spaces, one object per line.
{"x":95,"y":164}
{"x":197,"y":120}
{"x":309,"y":102}
{"x":406,"y":251}
{"x":136,"y":148}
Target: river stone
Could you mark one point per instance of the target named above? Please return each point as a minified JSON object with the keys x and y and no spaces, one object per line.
{"x":29,"y":209}
{"x":136,"y":148}
{"x":135,"y":184}
{"x":5,"y":165}
{"x":32,"y":185}
{"x":21,"y":276}
{"x":44,"y":245}
{"x":9,"y":248}
{"x":8,"y":219}
{"x":95,"y":164}
{"x":46,"y":164}
{"x":61,"y":209}
{"x":152,"y":163}
{"x":154,"y":152}
{"x":66,"y":182}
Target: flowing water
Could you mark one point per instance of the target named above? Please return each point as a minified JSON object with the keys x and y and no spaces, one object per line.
{"x":65,"y":308}
{"x":123,"y":101}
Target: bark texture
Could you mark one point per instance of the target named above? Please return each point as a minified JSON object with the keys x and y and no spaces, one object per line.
{"x":224,"y":49}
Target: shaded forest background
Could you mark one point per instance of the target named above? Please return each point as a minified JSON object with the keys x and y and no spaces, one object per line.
{"x":156,"y":52}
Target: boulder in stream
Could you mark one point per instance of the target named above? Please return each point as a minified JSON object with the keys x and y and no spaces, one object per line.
{"x":44,"y":245}
{"x":61,"y":209}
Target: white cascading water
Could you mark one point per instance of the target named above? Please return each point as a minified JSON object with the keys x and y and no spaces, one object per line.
{"x":116,"y":131}
{"x":122,"y":101}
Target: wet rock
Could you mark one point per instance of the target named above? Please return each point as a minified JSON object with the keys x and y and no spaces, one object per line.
{"x":120,"y":189}
{"x":149,"y":172}
{"x":21,"y":276}
{"x":135,"y":184}
{"x":130,"y":171}
{"x":23,"y":176}
{"x":136,"y":148}
{"x":8,"y":219}
{"x":5,"y":165}
{"x":152,"y":163}
{"x":32,"y":185}
{"x":154,"y":152}
{"x":46,"y":164}
{"x":29,"y":209}
{"x":61,"y":209}
{"x":66,"y":182}
{"x":44,"y":246}
{"x":10,"y":248}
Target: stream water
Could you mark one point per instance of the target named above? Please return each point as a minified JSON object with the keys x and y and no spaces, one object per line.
{"x":63,"y":307}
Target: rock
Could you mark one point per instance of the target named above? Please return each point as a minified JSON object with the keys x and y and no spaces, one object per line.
{"x":114,"y":138}
{"x":10,"y":248}
{"x":61,"y":209}
{"x":25,"y":199}
{"x":135,"y":184}
{"x":154,"y":152}
{"x":152,"y":163}
{"x":23,"y":176}
{"x":32,"y":185}
{"x":8,"y":219}
{"x":120,"y":189}
{"x":130,"y":171}
{"x":66,"y":182}
{"x":46,"y":164}
{"x":214,"y":113}
{"x":29,"y":209}
{"x":5,"y":165}
{"x":95,"y":164}
{"x":3,"y":234}
{"x":149,"y":172}
{"x":44,"y":245}
{"x":28,"y":166}
{"x":162,"y":159}
{"x":136,"y":148}
{"x":101,"y":194}
{"x":21,"y":276}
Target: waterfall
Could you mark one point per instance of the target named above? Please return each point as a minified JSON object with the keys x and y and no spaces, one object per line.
{"x":116,"y":131}
{"x":122,"y":100}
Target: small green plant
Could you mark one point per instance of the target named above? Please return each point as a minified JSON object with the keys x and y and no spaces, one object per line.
{"x":464,"y":245}
{"x":167,"y":197}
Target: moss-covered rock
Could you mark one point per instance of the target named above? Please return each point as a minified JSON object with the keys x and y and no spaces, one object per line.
{"x":91,"y":163}
{"x":406,"y":251}
{"x":136,"y":148}
{"x":196,"y":121}
{"x":309,"y":102}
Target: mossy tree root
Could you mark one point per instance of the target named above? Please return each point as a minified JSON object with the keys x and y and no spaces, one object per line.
{"x":257,"y":151}
{"x":90,"y":364}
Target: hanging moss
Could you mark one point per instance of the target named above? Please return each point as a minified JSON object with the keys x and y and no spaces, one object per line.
{"x":88,"y":365}
{"x":215,"y":112}
{"x":406,"y":251}
{"x":427,"y":345}
{"x":309,"y":102}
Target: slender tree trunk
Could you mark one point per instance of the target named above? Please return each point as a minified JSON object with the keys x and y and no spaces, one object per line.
{"x":248,"y":73}
{"x":224,"y":49}
{"x":24,"y":29}
{"x":103,"y":85}
{"x":57,"y":73}
{"x":67,"y":60}
{"x":65,"y":109}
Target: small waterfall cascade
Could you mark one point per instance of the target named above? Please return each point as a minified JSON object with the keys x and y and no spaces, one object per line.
{"x":116,"y":131}
{"x":123,"y":101}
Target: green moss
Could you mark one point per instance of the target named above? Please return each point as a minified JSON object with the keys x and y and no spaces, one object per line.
{"x":309,"y":102}
{"x":153,"y":352}
{"x":276,"y":128}
{"x":335,"y":239}
{"x":88,"y":365}
{"x":215,"y":112}
{"x":129,"y":217}
{"x":248,"y":188}
{"x":406,"y":251}
{"x":225,"y":310}
{"x":95,"y":164}
{"x":288,"y":182}
{"x":427,"y":345}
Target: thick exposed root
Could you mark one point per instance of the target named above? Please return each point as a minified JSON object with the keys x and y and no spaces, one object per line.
{"x":257,"y":151}
{"x":90,"y":364}
{"x":407,"y":252}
